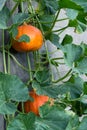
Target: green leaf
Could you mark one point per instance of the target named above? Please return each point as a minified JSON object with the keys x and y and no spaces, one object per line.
{"x":4,"y":17}
{"x":73,"y":23}
{"x":20,"y":17}
{"x":82,"y":17}
{"x":72,"y":53}
{"x":69,"y":4}
{"x":73,"y":123}
{"x":46,"y":89}
{"x":54,"y":39}
{"x":67,"y":39}
{"x":82,"y":65}
{"x":72,"y":88}
{"x":79,"y":22}
{"x":83,"y":124}
{"x":53,"y":118}
{"x":79,"y":29}
{"x":49,"y":6}
{"x":79,"y":26}
{"x":2,"y":3}
{"x":84,"y":47}
{"x":10,"y":87}
{"x":71,"y":13}
{"x":42,"y":76}
{"x":55,"y":63}
{"x":83,"y":99}
{"x":24,"y":38}
{"x":22,"y":122}
{"x":19,"y":0}
{"x":46,"y":21}
{"x":82,"y":3}
{"x":85,"y":88}
{"x":13,"y":30}
{"x":7,"y":108}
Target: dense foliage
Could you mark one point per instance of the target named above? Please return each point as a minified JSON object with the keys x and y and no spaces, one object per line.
{"x":69,"y":91}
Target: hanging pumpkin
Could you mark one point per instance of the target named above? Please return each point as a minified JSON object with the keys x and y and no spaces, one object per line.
{"x":35,"y":36}
{"x":33,"y":106}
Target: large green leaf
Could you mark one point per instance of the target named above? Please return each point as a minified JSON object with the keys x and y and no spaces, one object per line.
{"x":51,"y":118}
{"x":83,"y":99}
{"x":23,"y":122}
{"x":72,"y":53}
{"x":20,"y":17}
{"x":46,"y":89}
{"x":84,"y":47}
{"x":74,"y":4}
{"x":69,"y":4}
{"x":77,"y":20}
{"x":7,"y":108}
{"x":11,"y":89}
{"x":83,"y":124}
{"x":2,"y":3}
{"x":73,"y":123}
{"x":82,"y":65}
{"x":82,"y":3}
{"x":42,"y":76}
{"x":72,"y":14}
{"x":46,"y":21}
{"x":4,"y":17}
{"x":49,"y":6}
{"x":73,"y":88}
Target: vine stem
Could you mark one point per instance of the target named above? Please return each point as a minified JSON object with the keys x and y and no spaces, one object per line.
{"x":17,"y":62}
{"x":31,"y":9}
{"x":48,"y":59}
{"x":57,"y":58}
{"x":56,"y":81}
{"x":22,"y":8}
{"x":52,"y":21}
{"x":36,"y":17}
{"x":61,"y":29}
{"x":22,"y":107}
{"x":14,"y":8}
{"x":55,"y":20}
{"x":9,"y":62}
{"x":4,"y":57}
{"x":44,"y":34}
{"x":29,"y":66}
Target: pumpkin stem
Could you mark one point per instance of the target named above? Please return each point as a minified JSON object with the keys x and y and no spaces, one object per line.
{"x":24,"y":23}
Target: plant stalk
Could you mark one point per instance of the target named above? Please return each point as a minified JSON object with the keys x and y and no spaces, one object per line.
{"x":4,"y":57}
{"x":29,"y":67}
{"x":65,"y":76}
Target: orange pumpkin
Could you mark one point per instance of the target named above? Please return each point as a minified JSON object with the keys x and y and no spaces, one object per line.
{"x":35,"y":35}
{"x":33,"y":106}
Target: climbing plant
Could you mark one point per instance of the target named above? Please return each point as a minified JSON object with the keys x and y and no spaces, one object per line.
{"x":60,"y":102}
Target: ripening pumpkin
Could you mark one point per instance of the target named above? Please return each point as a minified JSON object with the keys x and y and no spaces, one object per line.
{"x":35,"y":36}
{"x":33,"y":106}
